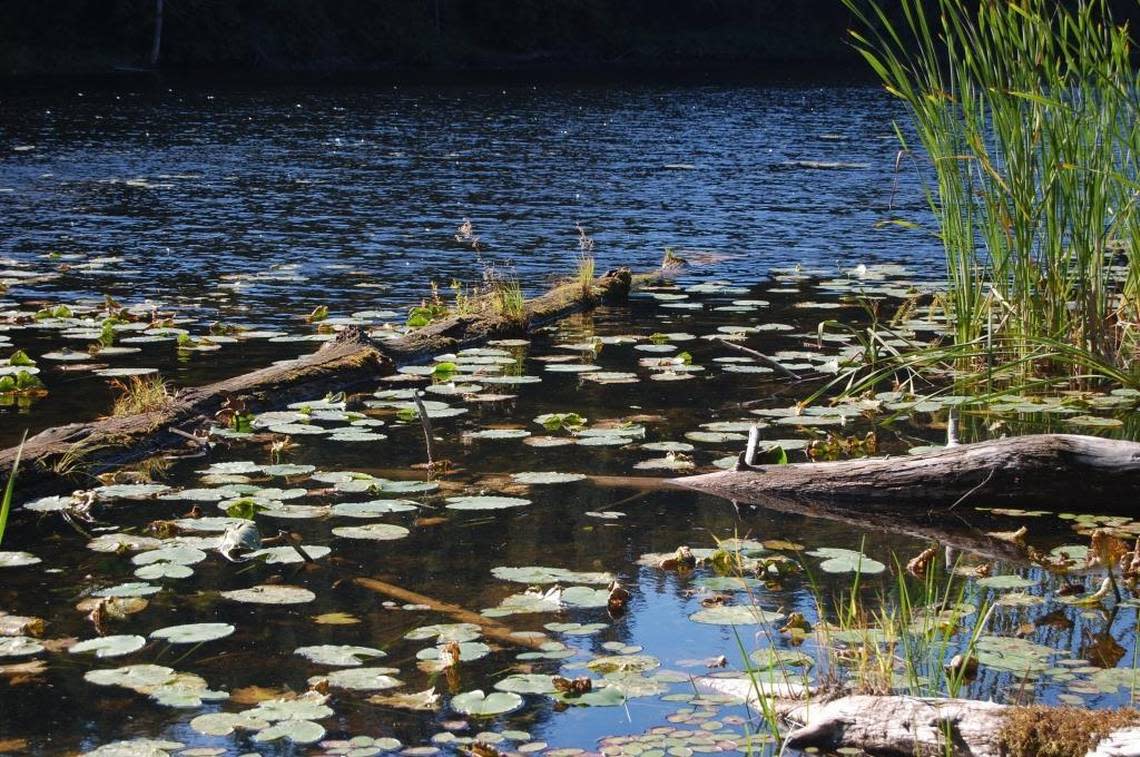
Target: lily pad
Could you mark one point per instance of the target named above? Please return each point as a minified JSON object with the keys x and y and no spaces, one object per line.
{"x":364,"y":679}
{"x":271,"y":594}
{"x":527,"y":683}
{"x":193,"y":633}
{"x":372,"y":508}
{"x":18,"y":559}
{"x":372,"y":531}
{"x":838,"y":560}
{"x":1006,"y":582}
{"x":444,"y":632}
{"x":338,"y":654}
{"x":109,"y":646}
{"x":536,"y":478}
{"x":480,"y":705}
{"x":296,"y":731}
{"x":735,"y":615}
{"x":485,"y":503}
{"x":539,"y":575}
{"x":19,"y":646}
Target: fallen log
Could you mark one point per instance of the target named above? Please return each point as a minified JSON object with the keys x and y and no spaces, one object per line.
{"x":1053,"y":471}
{"x":826,"y":721}
{"x":351,"y":360}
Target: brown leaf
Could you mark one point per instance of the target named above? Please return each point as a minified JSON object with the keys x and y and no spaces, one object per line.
{"x":920,"y":563}
{"x":255,"y":694}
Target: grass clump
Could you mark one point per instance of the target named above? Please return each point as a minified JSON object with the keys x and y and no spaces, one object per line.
{"x":584,"y":275}
{"x":141,"y":394}
{"x":1040,"y":731}
{"x":1029,"y":113}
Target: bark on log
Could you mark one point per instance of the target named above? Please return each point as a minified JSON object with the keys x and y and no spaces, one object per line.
{"x":351,"y":360}
{"x":1052,"y":471}
{"x":899,"y":726}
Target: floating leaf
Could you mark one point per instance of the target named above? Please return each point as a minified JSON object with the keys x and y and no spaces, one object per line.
{"x":372,"y":531}
{"x":735,"y":615}
{"x":363,"y":679}
{"x":480,"y":705}
{"x":338,"y":654}
{"x":1005,"y":582}
{"x":19,"y":646}
{"x":225,"y":723}
{"x":483,"y":503}
{"x":271,"y":594}
{"x":445,"y":632}
{"x":527,"y":683}
{"x":109,"y":646}
{"x":296,"y":731}
{"x":193,"y":633}
{"x":426,"y":700}
{"x":17,"y":559}
{"x":838,"y":560}
{"x":623,"y":663}
{"x":539,"y":575}
{"x":547,"y":478}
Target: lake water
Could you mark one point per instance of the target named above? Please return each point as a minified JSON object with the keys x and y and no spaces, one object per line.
{"x":253,"y":207}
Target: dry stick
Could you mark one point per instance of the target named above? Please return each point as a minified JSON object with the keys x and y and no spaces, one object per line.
{"x":762,"y":358}
{"x":491,"y":628}
{"x":426,"y":423}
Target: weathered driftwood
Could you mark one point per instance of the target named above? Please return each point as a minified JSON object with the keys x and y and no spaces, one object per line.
{"x":351,"y":360}
{"x":898,"y":725}
{"x":889,"y":725}
{"x":1058,"y":471}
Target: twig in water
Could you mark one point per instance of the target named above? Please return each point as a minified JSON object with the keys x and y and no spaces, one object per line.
{"x":762,"y":358}
{"x":985,"y":481}
{"x":426,"y":423}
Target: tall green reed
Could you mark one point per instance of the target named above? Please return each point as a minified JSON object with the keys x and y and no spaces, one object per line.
{"x":1028,"y":111}
{"x":6,"y":502}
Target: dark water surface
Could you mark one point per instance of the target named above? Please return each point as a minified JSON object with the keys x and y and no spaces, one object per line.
{"x":253,"y":207}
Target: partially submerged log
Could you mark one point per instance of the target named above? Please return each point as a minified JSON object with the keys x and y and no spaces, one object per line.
{"x":1052,"y":471}
{"x":351,"y":360}
{"x":899,"y":725}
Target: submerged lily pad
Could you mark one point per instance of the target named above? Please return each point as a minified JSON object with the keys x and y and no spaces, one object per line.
{"x":480,"y":705}
{"x":1013,"y":654}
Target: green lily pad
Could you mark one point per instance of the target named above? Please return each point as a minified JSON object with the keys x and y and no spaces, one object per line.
{"x":444,"y":632}
{"x":373,"y":508}
{"x":480,"y":705}
{"x":1013,"y":654}
{"x":527,"y":683}
{"x":576,"y":629}
{"x":1005,"y":582}
{"x":18,"y":559}
{"x":634,"y":663}
{"x":846,"y":561}
{"x":540,"y":575}
{"x":363,"y":679}
{"x":296,"y":731}
{"x":338,"y":654}
{"x":193,"y":633}
{"x":109,"y":646}
{"x":735,"y":615}
{"x":604,"y":696}
{"x":271,"y":594}
{"x":288,"y":555}
{"x":225,"y":723}
{"x":485,"y":503}
{"x":19,"y":646}
{"x":372,"y":531}
{"x":468,"y":650}
{"x":537,"y":478}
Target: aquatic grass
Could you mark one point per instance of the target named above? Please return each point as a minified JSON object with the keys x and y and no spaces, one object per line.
{"x":584,"y":275}
{"x":9,"y":488}
{"x":507,"y":299}
{"x":1028,"y":113}
{"x":140,"y":394}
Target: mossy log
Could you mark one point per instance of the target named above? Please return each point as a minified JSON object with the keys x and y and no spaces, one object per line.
{"x":351,"y":360}
{"x":1052,"y":471}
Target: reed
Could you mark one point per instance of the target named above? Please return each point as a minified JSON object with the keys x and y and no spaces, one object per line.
{"x":6,"y":502}
{"x":1028,"y":111}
